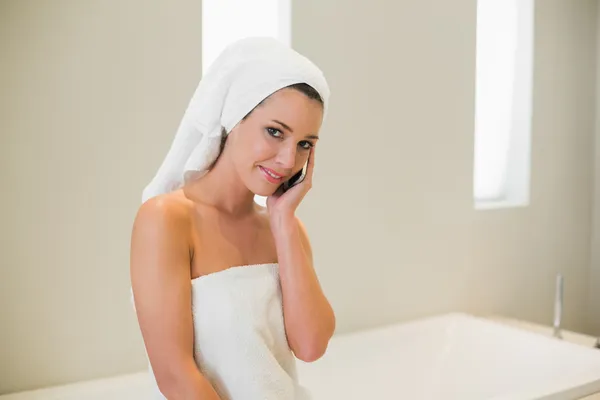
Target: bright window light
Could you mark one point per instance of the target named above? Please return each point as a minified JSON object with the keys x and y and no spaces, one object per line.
{"x":225,"y":21}
{"x":503,"y":102}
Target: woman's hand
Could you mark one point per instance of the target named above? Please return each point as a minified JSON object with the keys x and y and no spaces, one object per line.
{"x":284,"y":205}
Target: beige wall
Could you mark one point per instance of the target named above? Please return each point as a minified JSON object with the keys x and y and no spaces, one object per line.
{"x":95,"y":92}
{"x":594,"y":297}
{"x":396,"y":178}
{"x":96,"y":89}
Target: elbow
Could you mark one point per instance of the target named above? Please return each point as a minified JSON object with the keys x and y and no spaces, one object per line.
{"x":314,"y":349}
{"x":311,"y":354}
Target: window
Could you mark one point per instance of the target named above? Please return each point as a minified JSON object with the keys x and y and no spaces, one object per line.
{"x":225,"y":21}
{"x":503,"y":102}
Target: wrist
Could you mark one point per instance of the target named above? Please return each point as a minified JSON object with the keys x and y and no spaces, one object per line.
{"x":283,"y":222}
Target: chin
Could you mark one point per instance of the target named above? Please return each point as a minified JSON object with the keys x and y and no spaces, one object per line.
{"x":261,"y":190}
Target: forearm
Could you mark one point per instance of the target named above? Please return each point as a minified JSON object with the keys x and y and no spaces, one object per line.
{"x":309,"y":318}
{"x":188,"y":383}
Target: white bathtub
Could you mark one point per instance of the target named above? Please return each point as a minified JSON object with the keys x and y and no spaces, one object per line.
{"x":453,"y":356}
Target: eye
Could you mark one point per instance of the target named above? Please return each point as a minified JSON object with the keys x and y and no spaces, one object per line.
{"x":306,"y":145}
{"x":275,"y":132}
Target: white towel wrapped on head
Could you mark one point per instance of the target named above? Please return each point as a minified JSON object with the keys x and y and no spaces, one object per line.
{"x":244,"y":74}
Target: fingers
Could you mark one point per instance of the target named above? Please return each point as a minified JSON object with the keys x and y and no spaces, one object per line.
{"x":311,"y":165}
{"x":311,"y":160}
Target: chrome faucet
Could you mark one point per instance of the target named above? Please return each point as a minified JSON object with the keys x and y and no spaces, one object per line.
{"x":558,"y":306}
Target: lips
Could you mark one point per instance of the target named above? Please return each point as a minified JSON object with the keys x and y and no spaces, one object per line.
{"x":271,"y":175}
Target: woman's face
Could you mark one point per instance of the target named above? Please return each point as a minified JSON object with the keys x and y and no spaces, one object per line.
{"x":273,"y":142}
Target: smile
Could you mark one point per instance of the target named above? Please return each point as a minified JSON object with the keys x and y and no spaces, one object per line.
{"x":270,"y":175}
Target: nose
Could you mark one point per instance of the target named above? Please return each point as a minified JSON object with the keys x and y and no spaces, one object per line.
{"x":286,"y":157}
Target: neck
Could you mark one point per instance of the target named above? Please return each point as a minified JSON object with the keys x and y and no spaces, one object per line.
{"x":221,"y":188}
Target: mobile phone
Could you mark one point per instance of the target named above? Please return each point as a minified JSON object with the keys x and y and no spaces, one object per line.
{"x":294,"y":180}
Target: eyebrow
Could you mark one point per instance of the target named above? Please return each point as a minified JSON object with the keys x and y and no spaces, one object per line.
{"x":290,"y":129}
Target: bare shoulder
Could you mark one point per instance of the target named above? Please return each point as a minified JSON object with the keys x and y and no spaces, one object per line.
{"x":161,"y":229}
{"x":169,"y":207}
{"x":168,"y":213}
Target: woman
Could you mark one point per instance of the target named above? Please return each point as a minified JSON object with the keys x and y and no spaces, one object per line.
{"x":225,"y":290}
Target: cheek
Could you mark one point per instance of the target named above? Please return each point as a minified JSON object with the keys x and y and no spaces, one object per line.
{"x":262,"y":148}
{"x":255,"y":148}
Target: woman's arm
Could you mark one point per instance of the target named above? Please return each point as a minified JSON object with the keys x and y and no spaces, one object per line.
{"x":309,"y":318}
{"x":161,"y":283}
